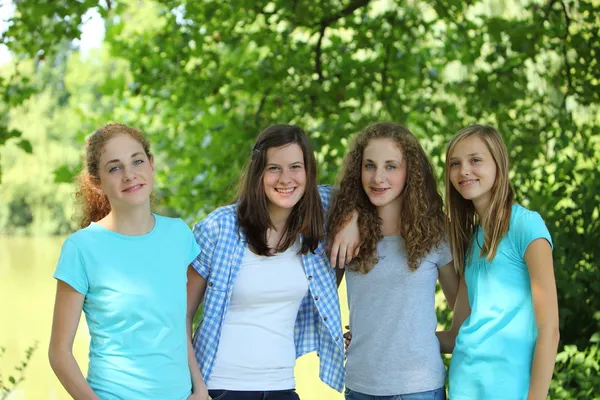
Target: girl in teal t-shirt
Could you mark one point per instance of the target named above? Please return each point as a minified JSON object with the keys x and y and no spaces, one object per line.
{"x":506,"y":313}
{"x":126,"y":270}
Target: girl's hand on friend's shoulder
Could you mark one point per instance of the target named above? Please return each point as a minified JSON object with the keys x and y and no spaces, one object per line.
{"x":346,"y":243}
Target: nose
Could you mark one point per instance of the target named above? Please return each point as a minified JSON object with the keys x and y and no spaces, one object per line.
{"x":285,"y":177}
{"x":465,"y":169}
{"x":128,"y":174}
{"x":379,"y":176}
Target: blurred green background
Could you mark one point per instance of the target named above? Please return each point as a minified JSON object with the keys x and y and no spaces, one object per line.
{"x":203,"y":78}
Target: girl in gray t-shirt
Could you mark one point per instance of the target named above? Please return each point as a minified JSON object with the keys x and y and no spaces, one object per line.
{"x":388,"y":180}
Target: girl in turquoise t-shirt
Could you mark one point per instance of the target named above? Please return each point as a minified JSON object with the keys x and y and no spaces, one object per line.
{"x":506,"y":313}
{"x":126,"y":270}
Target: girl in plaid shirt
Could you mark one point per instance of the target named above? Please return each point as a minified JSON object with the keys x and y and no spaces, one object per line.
{"x":269,"y":294}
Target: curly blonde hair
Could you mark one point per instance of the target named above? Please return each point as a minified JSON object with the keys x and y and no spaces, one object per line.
{"x":421,"y":218}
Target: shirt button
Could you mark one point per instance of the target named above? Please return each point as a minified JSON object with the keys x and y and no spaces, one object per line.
{"x":316,"y":297}
{"x":310,"y":277}
{"x":325,"y":319}
{"x":337,"y":338}
{"x":210,"y":283}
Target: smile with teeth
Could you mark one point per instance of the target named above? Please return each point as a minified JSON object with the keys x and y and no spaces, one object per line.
{"x":379,"y":190}
{"x":286,"y":191}
{"x":468,"y":182}
{"x":133,"y":188}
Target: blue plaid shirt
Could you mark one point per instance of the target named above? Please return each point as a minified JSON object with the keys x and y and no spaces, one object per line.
{"x":318,"y":324}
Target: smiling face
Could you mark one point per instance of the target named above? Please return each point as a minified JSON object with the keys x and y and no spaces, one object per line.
{"x":472,"y":171}
{"x":383,"y":173}
{"x":284,"y":178}
{"x":126,"y":173}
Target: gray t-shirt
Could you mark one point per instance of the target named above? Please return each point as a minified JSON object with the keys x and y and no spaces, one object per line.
{"x":394,"y":349}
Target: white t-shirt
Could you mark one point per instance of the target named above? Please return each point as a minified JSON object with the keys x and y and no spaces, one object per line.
{"x":256,"y":350}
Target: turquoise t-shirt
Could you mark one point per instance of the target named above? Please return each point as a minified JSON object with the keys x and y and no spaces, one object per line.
{"x":135,"y":307}
{"x":494,"y":349}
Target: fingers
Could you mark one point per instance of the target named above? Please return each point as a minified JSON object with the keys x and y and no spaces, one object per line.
{"x":334,"y":254}
{"x":347,"y":337}
{"x":349,"y":254}
{"x":356,"y":251}
{"x":342,"y":256}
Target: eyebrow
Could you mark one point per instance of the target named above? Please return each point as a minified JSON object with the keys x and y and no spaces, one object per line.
{"x":468,"y":155}
{"x":294,"y":163}
{"x":387,"y":161}
{"x":116,"y":160}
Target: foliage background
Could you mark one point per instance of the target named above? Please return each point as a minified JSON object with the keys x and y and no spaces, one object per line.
{"x":202,"y":78}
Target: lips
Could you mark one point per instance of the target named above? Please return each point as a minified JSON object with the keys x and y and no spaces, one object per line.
{"x":468,"y":182}
{"x":379,"y":190}
{"x":133,"y":188}
{"x":285,"y":191}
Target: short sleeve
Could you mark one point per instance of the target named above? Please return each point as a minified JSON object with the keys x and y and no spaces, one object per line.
{"x":444,"y":254}
{"x":194,"y":249}
{"x":206,"y":248}
{"x":325,"y":191}
{"x":71,"y":269}
{"x":530,"y":227}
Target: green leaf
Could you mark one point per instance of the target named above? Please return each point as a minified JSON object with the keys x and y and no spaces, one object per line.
{"x":25,"y":145}
{"x":64,"y":174}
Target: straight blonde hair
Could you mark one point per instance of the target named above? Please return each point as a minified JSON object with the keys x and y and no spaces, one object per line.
{"x":461,"y":217}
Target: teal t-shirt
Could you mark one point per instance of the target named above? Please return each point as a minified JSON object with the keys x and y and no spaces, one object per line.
{"x":135,"y":307}
{"x":494,"y":349}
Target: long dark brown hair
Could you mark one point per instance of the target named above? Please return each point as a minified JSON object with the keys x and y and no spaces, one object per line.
{"x":421,"y":218}
{"x":306,"y":217}
{"x":95,"y":206}
{"x":461,"y":218}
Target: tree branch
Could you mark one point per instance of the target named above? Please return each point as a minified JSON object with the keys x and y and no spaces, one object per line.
{"x":564,"y":49}
{"x":263,"y":100}
{"x":326,"y":22}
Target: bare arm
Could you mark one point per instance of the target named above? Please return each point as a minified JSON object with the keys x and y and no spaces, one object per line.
{"x":538,"y":257}
{"x":449,"y":283}
{"x":196,"y":287}
{"x":461,"y":311}
{"x":67,"y":312}
{"x":345,"y":244}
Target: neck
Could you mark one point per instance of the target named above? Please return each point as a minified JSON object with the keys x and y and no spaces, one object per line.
{"x":390,"y":215}
{"x":481,"y":207}
{"x":279,"y":219}
{"x":131,"y":222}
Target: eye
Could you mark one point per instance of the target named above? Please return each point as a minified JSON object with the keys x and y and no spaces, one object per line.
{"x":297,"y":166}
{"x":369,"y":165}
{"x":138,"y":162}
{"x":273,"y":168}
{"x":475,"y":160}
{"x":113,"y":169}
{"x":390,"y":167}
{"x":454,"y":163}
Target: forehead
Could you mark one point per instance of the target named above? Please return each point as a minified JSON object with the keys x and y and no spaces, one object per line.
{"x":382,"y":148}
{"x":120,"y":146}
{"x":286,"y":154}
{"x":469,"y":145}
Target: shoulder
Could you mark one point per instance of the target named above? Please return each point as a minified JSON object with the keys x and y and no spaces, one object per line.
{"x":83,"y":237}
{"x":172,"y":226}
{"x":223,"y":218}
{"x":523,"y":219}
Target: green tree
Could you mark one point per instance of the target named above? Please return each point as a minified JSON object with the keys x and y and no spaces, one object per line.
{"x":203,"y":78}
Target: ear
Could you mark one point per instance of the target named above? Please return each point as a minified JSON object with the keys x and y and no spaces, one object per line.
{"x":151,"y":159}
